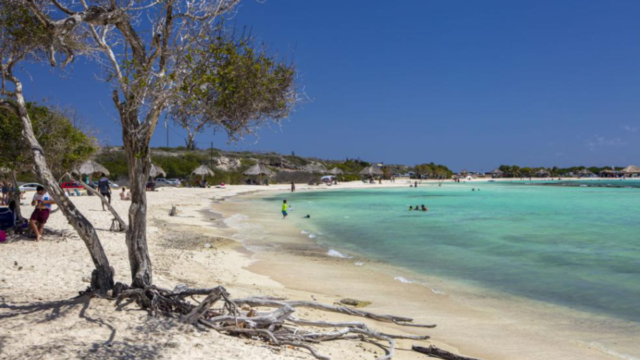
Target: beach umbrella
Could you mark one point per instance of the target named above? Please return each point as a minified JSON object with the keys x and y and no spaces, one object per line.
{"x":315,"y":168}
{"x":90,"y":167}
{"x":203,"y":170}
{"x":608,"y":173}
{"x":335,"y":171}
{"x":543,"y":173}
{"x":496,"y":173}
{"x":156,"y":171}
{"x":585,"y":172}
{"x":631,"y":169}
{"x":257,"y":170}
{"x":371,"y":171}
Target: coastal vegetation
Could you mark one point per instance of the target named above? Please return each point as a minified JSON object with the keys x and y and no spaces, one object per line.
{"x":515,"y":171}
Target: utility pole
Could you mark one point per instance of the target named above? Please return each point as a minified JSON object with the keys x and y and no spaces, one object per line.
{"x":211,"y":155}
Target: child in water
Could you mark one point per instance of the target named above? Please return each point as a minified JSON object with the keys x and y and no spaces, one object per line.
{"x":284,"y":209}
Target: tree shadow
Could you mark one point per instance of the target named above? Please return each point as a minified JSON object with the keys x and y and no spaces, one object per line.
{"x":57,"y":308}
{"x":122,"y":351}
{"x":106,"y":348}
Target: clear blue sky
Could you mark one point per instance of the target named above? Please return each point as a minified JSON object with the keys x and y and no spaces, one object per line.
{"x":468,"y":83}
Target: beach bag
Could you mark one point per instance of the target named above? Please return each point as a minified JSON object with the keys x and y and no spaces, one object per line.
{"x":3,"y":236}
{"x":7,"y":219}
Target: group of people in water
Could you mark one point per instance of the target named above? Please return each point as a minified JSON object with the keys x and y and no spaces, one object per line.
{"x":418,"y":208}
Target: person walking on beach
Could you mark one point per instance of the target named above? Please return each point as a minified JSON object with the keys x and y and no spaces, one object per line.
{"x":293,"y":187}
{"x":105,"y":189}
{"x":416,"y":184}
{"x":285,"y":207}
{"x":42,"y":201}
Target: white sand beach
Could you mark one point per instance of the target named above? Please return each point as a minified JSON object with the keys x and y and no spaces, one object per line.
{"x":40,"y":320}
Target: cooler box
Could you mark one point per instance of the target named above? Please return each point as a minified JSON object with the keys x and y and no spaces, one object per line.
{"x":7,"y":219}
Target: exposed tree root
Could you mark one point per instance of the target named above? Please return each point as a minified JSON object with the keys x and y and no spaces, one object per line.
{"x":435,"y":352}
{"x":278,"y":327}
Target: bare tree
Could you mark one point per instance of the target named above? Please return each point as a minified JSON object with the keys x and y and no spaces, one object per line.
{"x":22,"y":39}
{"x":147,"y":50}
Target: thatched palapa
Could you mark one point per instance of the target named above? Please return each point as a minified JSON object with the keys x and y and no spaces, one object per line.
{"x":585,"y":172}
{"x":258,"y":170}
{"x":90,"y":167}
{"x":203,"y":170}
{"x":543,"y":173}
{"x":371,"y":171}
{"x":335,"y":171}
{"x":156,"y":171}
{"x":631,"y":169}
{"x":315,"y":168}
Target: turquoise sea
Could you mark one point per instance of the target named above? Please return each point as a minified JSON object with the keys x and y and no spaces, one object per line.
{"x":575,"y":244}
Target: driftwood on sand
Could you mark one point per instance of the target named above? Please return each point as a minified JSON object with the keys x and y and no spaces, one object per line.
{"x":271,"y":320}
{"x":438,"y":353}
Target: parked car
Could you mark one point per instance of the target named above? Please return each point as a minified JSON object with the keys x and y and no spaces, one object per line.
{"x":167,"y":181}
{"x":29,"y":186}
{"x":173,"y":181}
{"x":94,"y":184}
{"x":71,"y":185}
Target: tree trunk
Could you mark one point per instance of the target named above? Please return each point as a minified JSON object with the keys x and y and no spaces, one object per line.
{"x":122,"y":226}
{"x":139,"y":161}
{"x":191,"y":140}
{"x":102,"y":277}
{"x":15,"y":196}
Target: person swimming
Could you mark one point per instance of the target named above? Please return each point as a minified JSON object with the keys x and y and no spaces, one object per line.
{"x":410,"y":208}
{"x":424,"y":208}
{"x":417,"y":208}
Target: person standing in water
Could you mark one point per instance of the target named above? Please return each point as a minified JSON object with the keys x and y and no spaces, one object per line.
{"x":293,"y":186}
{"x":285,"y":207}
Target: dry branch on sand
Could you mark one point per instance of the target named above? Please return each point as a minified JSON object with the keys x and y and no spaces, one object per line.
{"x":252,"y":317}
{"x":435,"y":352}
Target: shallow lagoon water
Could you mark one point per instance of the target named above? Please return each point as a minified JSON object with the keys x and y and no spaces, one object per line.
{"x":577,"y":246}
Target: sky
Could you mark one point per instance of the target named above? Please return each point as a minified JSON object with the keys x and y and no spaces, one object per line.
{"x":466,"y":83}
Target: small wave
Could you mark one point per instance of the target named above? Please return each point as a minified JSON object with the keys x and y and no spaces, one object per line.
{"x":358,"y":263}
{"x":611,"y":352}
{"x":304,"y":232}
{"x":245,"y":230}
{"x":312,"y":236}
{"x":347,"y":217}
{"x":403,"y":280}
{"x":438,"y":292}
{"x":336,"y":253}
